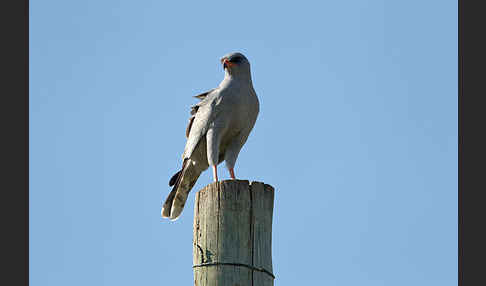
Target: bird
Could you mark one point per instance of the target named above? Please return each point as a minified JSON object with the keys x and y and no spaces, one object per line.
{"x":219,"y":125}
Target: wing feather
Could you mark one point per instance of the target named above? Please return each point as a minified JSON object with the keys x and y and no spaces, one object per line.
{"x":203,"y":113}
{"x":194,"y":109}
{"x":204,"y":94}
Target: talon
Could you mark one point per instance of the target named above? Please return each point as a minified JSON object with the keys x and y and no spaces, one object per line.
{"x":215,"y":173}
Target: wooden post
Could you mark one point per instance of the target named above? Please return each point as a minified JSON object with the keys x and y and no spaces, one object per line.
{"x":232,"y":242}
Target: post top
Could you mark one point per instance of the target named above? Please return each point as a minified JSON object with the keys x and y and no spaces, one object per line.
{"x":230,"y":182}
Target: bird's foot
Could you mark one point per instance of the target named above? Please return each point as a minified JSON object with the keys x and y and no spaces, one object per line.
{"x":215,"y":173}
{"x":232,"y":174}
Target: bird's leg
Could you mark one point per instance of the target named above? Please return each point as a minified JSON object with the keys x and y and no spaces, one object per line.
{"x":215,"y":173}
{"x":232,"y":173}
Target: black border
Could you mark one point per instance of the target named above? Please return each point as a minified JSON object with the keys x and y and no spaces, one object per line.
{"x":471,"y":143}
{"x":15,"y":148}
{"x":15,"y":135}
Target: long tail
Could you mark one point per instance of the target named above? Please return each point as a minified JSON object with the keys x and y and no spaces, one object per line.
{"x":183,"y":181}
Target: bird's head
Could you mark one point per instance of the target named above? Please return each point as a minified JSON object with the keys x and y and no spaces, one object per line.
{"x":236,"y":65}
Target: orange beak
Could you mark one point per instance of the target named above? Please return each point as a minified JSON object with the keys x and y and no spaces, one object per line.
{"x":227,"y":64}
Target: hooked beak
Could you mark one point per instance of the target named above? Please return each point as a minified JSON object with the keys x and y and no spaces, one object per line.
{"x":226,"y":63}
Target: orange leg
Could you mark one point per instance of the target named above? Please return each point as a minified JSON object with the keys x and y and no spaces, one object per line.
{"x":215,"y":173}
{"x":232,"y":174}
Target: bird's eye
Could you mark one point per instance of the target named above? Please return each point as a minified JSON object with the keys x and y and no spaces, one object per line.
{"x":236,"y":60}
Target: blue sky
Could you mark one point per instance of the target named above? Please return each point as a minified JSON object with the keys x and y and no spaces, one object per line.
{"x":357,"y":132}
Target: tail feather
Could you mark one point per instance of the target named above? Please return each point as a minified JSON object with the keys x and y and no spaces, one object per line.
{"x":183,"y":182}
{"x":174,"y":181}
{"x":174,"y":178}
{"x":168,"y":203}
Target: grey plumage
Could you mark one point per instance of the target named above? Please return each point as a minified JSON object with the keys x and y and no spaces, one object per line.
{"x":219,"y":126}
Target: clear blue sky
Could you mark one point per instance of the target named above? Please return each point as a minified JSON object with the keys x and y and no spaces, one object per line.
{"x":357,"y":132}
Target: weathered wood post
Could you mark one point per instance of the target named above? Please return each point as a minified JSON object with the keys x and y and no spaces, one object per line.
{"x":232,"y":243}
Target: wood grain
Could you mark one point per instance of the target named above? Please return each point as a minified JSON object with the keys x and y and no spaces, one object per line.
{"x":232,"y":243}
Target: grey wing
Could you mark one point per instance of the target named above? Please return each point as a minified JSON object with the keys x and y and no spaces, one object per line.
{"x":204,"y":94}
{"x":195,"y":108}
{"x":202,"y":114}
